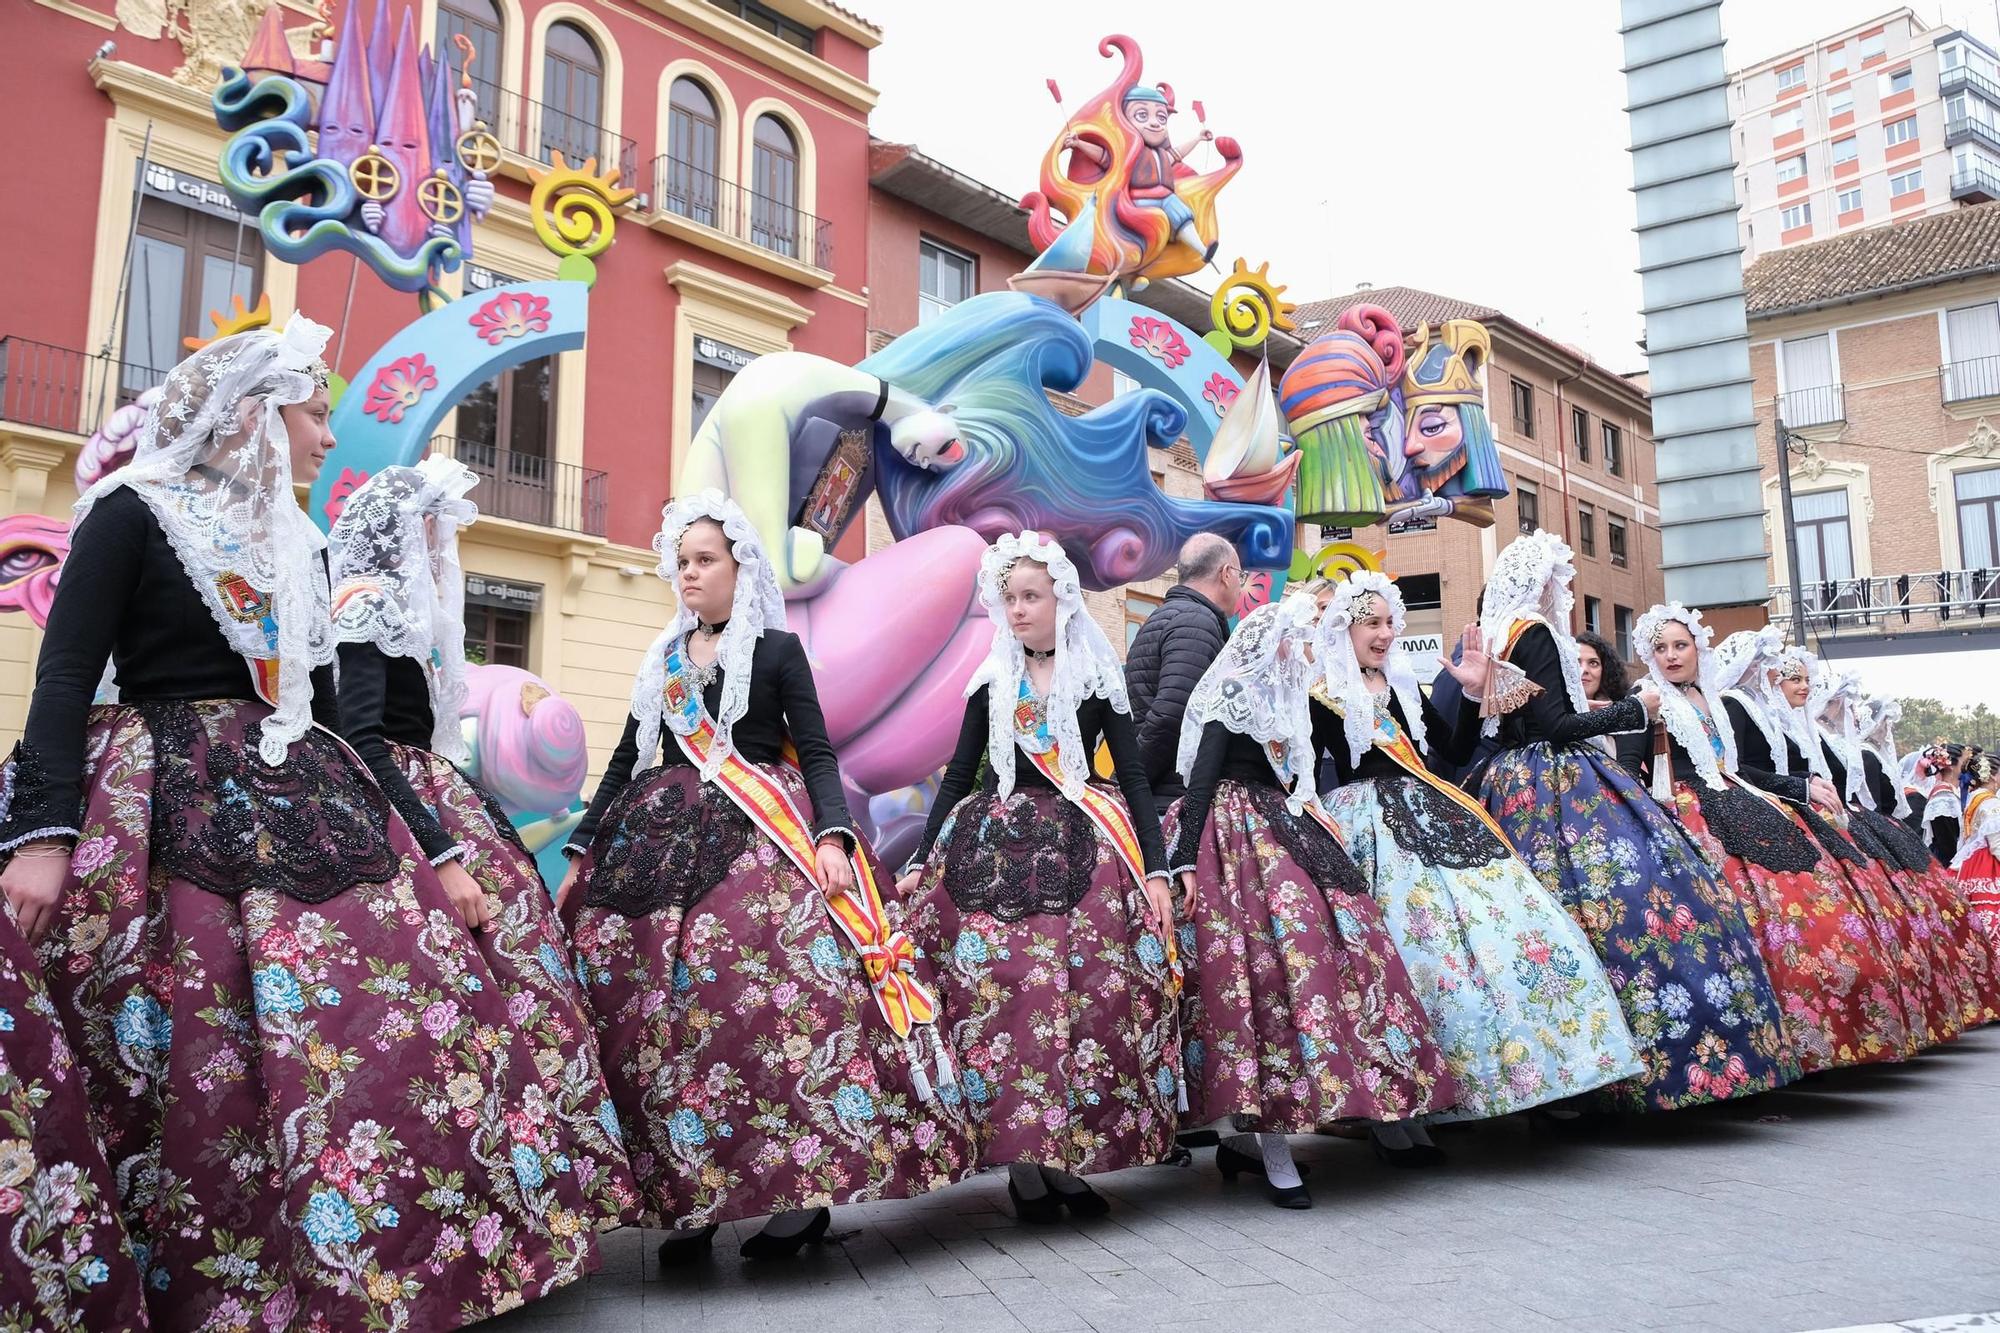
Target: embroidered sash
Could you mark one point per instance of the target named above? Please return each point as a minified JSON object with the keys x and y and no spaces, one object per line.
{"x":1394,"y":742}
{"x":1113,"y":820}
{"x":887,"y":954}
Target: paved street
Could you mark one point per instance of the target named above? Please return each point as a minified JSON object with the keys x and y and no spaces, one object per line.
{"x":1863,"y":1197}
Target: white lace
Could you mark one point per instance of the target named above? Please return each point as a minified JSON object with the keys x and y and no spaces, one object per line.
{"x":1341,"y":669}
{"x":1683,"y":719}
{"x":757,"y":606}
{"x":1531,"y":579}
{"x":236,"y":515}
{"x":1085,"y":665}
{"x":397,"y":582}
{"x":1985,"y":832}
{"x":1261,"y":687}
{"x":1834,"y":693}
{"x":1741,"y":663}
{"x":1878,"y":733}
{"x":1795,"y":723}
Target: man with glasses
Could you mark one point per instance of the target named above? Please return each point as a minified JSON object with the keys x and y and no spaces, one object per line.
{"x":1175,"y":646}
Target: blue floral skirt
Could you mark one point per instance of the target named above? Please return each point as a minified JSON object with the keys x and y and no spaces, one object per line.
{"x":1672,"y":938}
{"x":1514,"y":990}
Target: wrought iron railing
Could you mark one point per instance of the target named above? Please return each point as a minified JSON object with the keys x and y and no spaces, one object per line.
{"x":1978,"y":377}
{"x":538,"y":130}
{"x":529,"y":488}
{"x":1894,"y":603}
{"x":1820,"y":405}
{"x":686,"y":190}
{"x":61,"y":388}
{"x":1963,"y":77}
{"x":1975,"y":183}
{"x":1971,"y":127}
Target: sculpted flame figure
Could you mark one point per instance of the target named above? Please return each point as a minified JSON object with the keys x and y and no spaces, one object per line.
{"x":1153,"y":215}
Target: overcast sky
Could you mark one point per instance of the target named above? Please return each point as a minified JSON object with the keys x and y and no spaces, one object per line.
{"x":1450,"y":146}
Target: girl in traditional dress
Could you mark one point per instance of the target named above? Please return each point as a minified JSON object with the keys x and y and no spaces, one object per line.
{"x":1042,"y":896}
{"x":719,"y":902}
{"x":1977,"y":863}
{"x":65,"y":1262}
{"x":1673,"y":940}
{"x":1298,"y":1011}
{"x":1836,"y":993}
{"x":399,"y":613}
{"x":1604,"y":683}
{"x":1520,"y":1003}
{"x":304,"y":1073}
{"x":1960,"y":964}
{"x":1937,"y":810}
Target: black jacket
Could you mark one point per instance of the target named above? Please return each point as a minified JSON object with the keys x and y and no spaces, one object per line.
{"x":1173,"y":648}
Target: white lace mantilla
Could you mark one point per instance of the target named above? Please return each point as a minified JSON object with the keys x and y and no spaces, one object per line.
{"x":1261,"y":687}
{"x":1683,"y":719}
{"x":1742,"y":662}
{"x":214,"y":464}
{"x":1531,"y":581}
{"x":1831,"y":704}
{"x":1340,"y":668}
{"x":757,"y":606}
{"x":1085,"y":665}
{"x":398,"y":584}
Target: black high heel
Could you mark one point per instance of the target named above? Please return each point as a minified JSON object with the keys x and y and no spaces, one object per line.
{"x":764,"y":1245}
{"x":682,"y":1248}
{"x":1035,"y":1212}
{"x":1233,"y":1163}
{"x":1408,"y":1158}
{"x":1083,"y":1202}
{"x":1291,"y":1196}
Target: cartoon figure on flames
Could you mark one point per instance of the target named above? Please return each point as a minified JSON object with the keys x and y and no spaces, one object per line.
{"x":1153,"y":215}
{"x":1395,"y":426}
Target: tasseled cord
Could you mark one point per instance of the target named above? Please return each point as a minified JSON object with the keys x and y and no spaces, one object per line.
{"x":919,"y":1080}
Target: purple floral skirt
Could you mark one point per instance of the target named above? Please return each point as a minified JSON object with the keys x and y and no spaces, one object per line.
{"x":1298,"y":1011}
{"x":529,"y":956}
{"x":304,"y":1074}
{"x":65,"y":1263}
{"x":752,"y":1071}
{"x":1050,"y":986}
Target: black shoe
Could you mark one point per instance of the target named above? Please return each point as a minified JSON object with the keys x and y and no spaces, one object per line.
{"x":1233,"y":1163}
{"x":1036,"y":1212}
{"x":1198,"y":1138}
{"x":764,"y":1245}
{"x":682,"y":1248}
{"x":1292,"y":1196}
{"x":1408,"y":1158}
{"x":1084,"y":1202}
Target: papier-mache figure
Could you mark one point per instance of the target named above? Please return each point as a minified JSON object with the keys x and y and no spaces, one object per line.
{"x":1151,"y":182}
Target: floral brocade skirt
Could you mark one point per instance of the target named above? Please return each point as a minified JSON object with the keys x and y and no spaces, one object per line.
{"x":1672,"y":938}
{"x":1050,"y":986}
{"x":1297,"y":1011}
{"x":1834,"y":982}
{"x":1522,"y":1007}
{"x":525,"y":947}
{"x":752,"y":1071}
{"x":65,"y":1263}
{"x":305,"y":1075}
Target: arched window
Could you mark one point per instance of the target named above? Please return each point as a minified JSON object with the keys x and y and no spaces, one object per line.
{"x":774,"y":187}
{"x":694,"y":157}
{"x":573,"y":96}
{"x":479,"y":22}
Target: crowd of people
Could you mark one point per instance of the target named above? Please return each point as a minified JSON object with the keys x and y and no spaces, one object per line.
{"x":293,"y":1036}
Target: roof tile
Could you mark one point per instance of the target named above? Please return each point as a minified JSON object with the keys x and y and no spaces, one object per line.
{"x":1962,"y":243}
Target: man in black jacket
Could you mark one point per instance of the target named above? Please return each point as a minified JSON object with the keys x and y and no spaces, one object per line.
{"x":1174,"y":647}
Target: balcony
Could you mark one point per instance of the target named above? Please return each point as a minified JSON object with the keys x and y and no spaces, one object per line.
{"x":682,"y":190}
{"x":1821,"y":405}
{"x":528,"y":488}
{"x":1967,"y":79}
{"x":536,"y":131}
{"x":1963,"y":381}
{"x":1975,"y":185}
{"x":62,"y":389}
{"x":1892,"y":604}
{"x":1970,"y":129}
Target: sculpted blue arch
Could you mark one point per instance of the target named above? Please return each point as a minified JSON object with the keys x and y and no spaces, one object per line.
{"x":393,"y":406}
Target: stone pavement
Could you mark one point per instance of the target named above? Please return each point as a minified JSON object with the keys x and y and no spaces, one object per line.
{"x":1864,"y":1196}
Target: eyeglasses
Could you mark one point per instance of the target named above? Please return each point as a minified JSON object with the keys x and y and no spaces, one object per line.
{"x":1237,"y":570}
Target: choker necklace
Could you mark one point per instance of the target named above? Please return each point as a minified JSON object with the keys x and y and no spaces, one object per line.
{"x":1038,"y":654}
{"x":710,"y":631}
